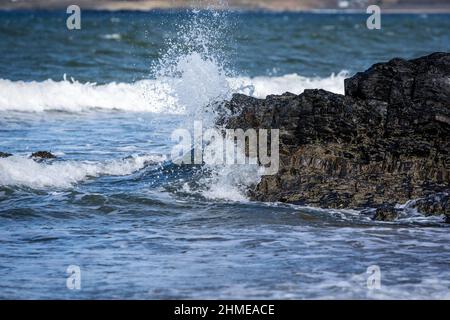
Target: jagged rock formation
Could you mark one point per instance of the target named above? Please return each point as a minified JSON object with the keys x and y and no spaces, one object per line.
{"x":386,"y":141}
{"x":43,"y":155}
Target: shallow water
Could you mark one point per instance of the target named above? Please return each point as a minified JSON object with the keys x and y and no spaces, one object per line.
{"x":140,"y":227}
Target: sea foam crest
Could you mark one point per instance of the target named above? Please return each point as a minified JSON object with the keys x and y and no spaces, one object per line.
{"x":169,"y":95}
{"x":25,"y":172}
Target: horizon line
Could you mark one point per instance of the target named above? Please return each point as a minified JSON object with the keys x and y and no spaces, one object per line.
{"x":415,"y":11}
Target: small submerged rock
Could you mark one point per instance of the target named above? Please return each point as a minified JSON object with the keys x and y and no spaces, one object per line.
{"x":5,"y":155}
{"x":42,"y":155}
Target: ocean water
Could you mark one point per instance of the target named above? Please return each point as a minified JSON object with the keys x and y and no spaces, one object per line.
{"x":105,"y":99}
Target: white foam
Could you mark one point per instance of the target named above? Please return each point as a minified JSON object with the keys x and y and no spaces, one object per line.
{"x":74,"y":96}
{"x":172,"y":96}
{"x":261,"y":87}
{"x":22,"y":171}
{"x":230,"y":182}
{"x":194,"y":82}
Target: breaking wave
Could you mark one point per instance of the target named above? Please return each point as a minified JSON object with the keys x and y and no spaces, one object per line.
{"x":157,"y":96}
{"x":25,"y":172}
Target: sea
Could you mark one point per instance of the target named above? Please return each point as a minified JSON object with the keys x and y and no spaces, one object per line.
{"x":112,"y":217}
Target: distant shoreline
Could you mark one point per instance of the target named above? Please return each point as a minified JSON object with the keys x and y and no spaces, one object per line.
{"x":306,"y":6}
{"x":237,"y":10}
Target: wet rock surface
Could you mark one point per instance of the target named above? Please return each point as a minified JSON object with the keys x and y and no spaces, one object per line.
{"x":435,"y":204}
{"x":5,"y":155}
{"x":384,"y":142}
{"x":43,"y":155}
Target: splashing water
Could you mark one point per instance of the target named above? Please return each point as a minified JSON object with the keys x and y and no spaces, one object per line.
{"x":194,"y":69}
{"x":23,"y":171}
{"x":194,"y":64}
{"x":191,"y":79}
{"x":201,"y":83}
{"x":131,"y":219}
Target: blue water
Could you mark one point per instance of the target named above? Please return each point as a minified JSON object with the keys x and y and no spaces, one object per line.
{"x":141,"y":227}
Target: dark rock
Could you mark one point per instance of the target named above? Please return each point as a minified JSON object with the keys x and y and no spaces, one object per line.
{"x":400,"y":81}
{"x":5,"y":155}
{"x":43,"y":155}
{"x":386,"y":213}
{"x":434,"y":205}
{"x":386,"y":141}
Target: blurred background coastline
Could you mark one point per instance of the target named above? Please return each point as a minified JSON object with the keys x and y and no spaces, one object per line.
{"x":387,"y":6}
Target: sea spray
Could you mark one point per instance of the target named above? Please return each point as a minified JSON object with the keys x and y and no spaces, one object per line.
{"x":194,"y":64}
{"x":194,"y":68}
{"x":152,"y":95}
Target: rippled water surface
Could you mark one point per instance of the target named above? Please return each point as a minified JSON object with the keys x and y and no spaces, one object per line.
{"x":141,"y":227}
